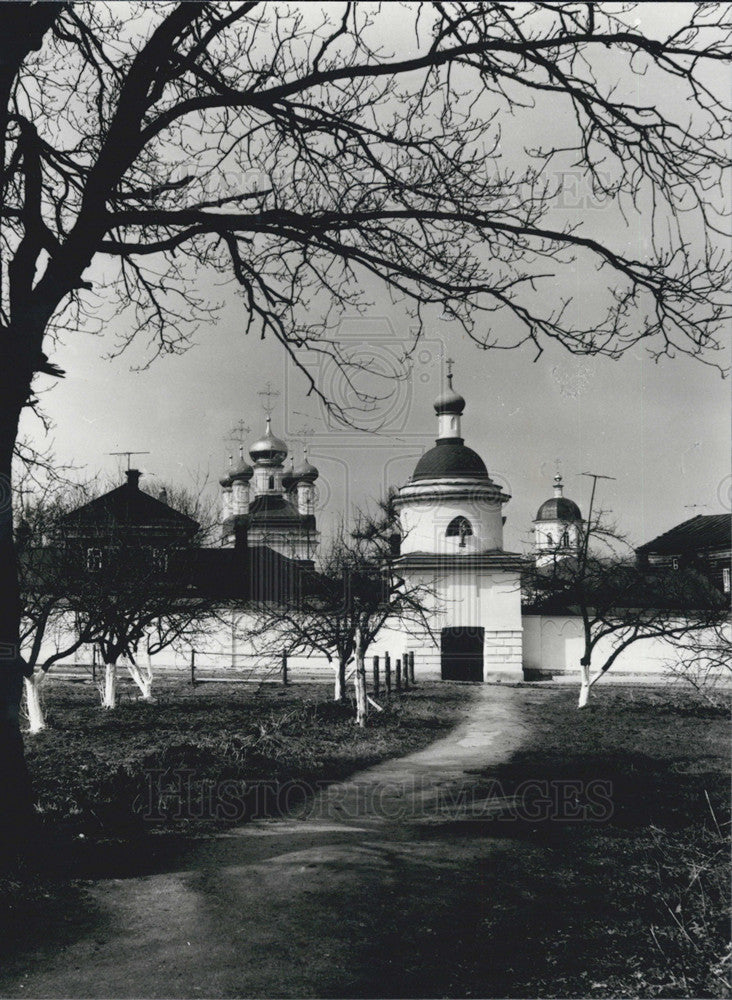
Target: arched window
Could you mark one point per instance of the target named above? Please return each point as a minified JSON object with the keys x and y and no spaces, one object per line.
{"x":565,"y":540}
{"x":549,"y":539}
{"x":459,"y":527}
{"x":271,"y":482}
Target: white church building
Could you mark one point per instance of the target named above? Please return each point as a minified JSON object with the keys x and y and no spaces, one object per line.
{"x":451,"y":520}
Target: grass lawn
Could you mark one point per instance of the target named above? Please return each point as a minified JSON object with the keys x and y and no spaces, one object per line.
{"x":634,"y":905}
{"x":96,"y":773}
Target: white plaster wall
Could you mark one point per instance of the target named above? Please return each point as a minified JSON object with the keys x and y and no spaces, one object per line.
{"x":424,"y":525}
{"x":554,"y":644}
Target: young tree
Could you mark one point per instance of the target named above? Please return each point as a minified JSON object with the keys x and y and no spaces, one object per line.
{"x":354,"y":595}
{"x":46,"y":635}
{"x":619,"y":602}
{"x":297,"y":152}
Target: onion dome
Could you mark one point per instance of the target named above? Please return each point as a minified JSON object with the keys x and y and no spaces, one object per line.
{"x":225,"y":480}
{"x":289,"y":479}
{"x":242,"y":471}
{"x":450,"y":459}
{"x":304,"y":471}
{"x":269,"y":450}
{"x":449,"y":401}
{"x":559,"y":507}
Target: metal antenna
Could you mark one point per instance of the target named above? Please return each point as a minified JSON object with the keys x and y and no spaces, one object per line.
{"x":594,"y":476}
{"x":129,"y":455}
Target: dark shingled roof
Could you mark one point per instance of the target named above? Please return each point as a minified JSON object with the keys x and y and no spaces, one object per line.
{"x":559,"y":509}
{"x":450,"y":459}
{"x":705,"y":531}
{"x":129,"y":506}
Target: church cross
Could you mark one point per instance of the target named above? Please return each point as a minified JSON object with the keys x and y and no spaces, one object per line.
{"x":270,"y":393}
{"x":449,"y":364}
{"x":238,"y":433}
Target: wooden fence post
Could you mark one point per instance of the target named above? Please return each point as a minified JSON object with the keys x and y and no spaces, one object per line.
{"x":94,"y":663}
{"x":193,"y":667}
{"x":398,"y":672}
{"x":405,"y":669}
{"x":387,"y":672}
{"x":411,"y":668}
{"x":376,"y":677}
{"x":284,"y":667}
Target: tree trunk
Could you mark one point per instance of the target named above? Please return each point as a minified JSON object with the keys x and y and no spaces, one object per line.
{"x":16,"y":797}
{"x":143,"y":677}
{"x":362,"y":705}
{"x":36,"y":721}
{"x":339,"y":693}
{"x":109,"y":686}
{"x":584,"y":694}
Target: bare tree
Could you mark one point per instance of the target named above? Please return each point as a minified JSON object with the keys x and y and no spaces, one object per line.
{"x":46,"y":635}
{"x":619,"y":602}
{"x":354,"y":595}
{"x":296,"y":152}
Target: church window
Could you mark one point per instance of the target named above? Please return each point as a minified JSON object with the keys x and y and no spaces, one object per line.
{"x":93,"y":560}
{"x":565,"y":540}
{"x":459,"y":527}
{"x":549,"y":539}
{"x":271,"y":482}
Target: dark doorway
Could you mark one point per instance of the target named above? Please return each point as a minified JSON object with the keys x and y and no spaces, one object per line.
{"x":462,"y":654}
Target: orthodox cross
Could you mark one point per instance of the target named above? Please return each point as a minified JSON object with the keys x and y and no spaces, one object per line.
{"x":270,"y":393}
{"x":129,"y":455}
{"x":449,"y":364}
{"x":238,"y":433}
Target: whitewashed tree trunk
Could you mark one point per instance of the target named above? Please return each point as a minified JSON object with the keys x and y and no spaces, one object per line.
{"x":109,"y":686}
{"x":584,"y":694}
{"x":362,"y":705}
{"x":143,"y":677}
{"x":36,"y":721}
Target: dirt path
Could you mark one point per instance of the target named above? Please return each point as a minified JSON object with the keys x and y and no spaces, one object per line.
{"x":374,"y":890}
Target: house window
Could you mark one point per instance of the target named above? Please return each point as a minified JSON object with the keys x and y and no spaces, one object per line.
{"x":160,"y":560}
{"x":459,"y":527}
{"x":725,"y":579}
{"x":93,"y":560}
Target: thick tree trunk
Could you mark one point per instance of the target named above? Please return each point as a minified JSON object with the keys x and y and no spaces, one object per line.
{"x":339,"y":692}
{"x":36,"y":720}
{"x":16,"y":799}
{"x":362,"y":705}
{"x":109,"y":686}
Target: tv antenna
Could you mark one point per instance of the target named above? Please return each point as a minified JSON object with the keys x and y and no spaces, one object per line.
{"x":129,"y":455}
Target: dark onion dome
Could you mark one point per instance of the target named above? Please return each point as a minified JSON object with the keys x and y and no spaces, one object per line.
{"x":559,"y":509}
{"x":450,"y":459}
{"x":269,"y":449}
{"x":305,"y":472}
{"x":449,"y":401}
{"x":225,"y":480}
{"x":242,"y":471}
{"x":289,"y":479}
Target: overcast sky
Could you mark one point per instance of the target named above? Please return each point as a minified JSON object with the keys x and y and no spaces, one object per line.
{"x":662,"y":430}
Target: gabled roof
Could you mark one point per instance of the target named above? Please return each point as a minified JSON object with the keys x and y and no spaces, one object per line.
{"x":128,"y":506}
{"x":705,"y":531}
